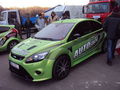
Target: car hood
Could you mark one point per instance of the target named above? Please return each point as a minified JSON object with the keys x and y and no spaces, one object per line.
{"x":32,"y":46}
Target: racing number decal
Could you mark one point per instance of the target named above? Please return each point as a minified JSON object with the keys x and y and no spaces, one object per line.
{"x":92,"y":41}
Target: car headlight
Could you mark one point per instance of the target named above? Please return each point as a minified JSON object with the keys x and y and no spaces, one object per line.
{"x":37,"y":57}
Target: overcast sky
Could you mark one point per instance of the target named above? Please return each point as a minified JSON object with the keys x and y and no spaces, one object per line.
{"x":42,"y":3}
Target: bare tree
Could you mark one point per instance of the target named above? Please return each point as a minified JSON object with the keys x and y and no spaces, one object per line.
{"x":1,"y":8}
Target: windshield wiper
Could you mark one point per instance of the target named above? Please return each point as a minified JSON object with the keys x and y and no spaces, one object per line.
{"x":45,"y":38}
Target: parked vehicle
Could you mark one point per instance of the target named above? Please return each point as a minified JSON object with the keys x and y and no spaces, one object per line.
{"x":75,"y":11}
{"x":55,"y":49}
{"x":7,"y":17}
{"x":99,"y":9}
{"x":8,"y":37}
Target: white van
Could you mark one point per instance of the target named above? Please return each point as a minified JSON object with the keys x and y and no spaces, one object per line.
{"x":6,"y":15}
{"x":75,"y":11}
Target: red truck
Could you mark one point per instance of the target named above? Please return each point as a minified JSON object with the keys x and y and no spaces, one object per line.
{"x":99,"y":9}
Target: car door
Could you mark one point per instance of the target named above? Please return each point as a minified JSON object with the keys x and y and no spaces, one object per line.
{"x":82,"y":39}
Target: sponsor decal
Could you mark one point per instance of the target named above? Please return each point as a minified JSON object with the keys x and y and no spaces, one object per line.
{"x":93,"y":40}
{"x":2,"y":40}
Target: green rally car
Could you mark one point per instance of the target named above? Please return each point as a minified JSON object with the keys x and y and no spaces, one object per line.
{"x":8,"y":37}
{"x":55,"y":49}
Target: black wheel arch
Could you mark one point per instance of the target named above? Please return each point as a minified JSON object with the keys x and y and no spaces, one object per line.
{"x":10,"y":42}
{"x":66,"y":55}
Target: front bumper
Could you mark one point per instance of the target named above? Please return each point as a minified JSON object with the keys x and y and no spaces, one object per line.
{"x":21,"y":72}
{"x":38,"y":71}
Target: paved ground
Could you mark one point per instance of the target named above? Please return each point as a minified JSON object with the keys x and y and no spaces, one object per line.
{"x":92,"y":74}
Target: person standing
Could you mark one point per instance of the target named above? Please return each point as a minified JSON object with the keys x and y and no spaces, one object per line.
{"x":53,"y":17}
{"x":112,"y":28}
{"x":14,"y":21}
{"x":18,"y":27}
{"x":41,"y":21}
{"x":66,"y":15}
{"x":28,"y":25}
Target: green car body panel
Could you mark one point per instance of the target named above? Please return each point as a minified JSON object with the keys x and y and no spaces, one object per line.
{"x":77,"y":50}
{"x":8,"y":36}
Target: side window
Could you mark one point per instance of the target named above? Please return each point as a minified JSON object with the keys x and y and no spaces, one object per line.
{"x":12,"y":17}
{"x":81,"y":29}
{"x":3,"y":16}
{"x":86,"y":28}
{"x":95,"y":25}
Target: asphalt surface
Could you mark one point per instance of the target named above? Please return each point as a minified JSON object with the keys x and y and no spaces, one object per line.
{"x":92,"y":74}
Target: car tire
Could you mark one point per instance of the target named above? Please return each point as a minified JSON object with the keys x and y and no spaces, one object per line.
{"x":11,"y":45}
{"x":61,"y":67}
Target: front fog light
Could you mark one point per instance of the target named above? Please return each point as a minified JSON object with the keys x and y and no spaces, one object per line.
{"x":38,"y":72}
{"x":37,"y":57}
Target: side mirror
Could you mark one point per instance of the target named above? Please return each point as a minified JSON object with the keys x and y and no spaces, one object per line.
{"x":77,"y":35}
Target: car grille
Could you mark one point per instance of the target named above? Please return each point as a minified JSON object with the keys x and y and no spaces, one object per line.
{"x":18,"y":57}
{"x":21,"y":72}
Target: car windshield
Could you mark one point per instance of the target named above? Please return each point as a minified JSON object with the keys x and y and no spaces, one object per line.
{"x":98,"y":8}
{"x":3,"y":16}
{"x":54,"y":31}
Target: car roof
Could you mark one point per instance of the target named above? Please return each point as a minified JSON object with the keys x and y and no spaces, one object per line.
{"x":75,"y":20}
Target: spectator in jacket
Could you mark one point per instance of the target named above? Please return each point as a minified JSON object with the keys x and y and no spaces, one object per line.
{"x":28,"y":25}
{"x":112,"y":27}
{"x":14,"y":21}
{"x":66,"y":15}
{"x":41,"y":21}
{"x":53,"y":17}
